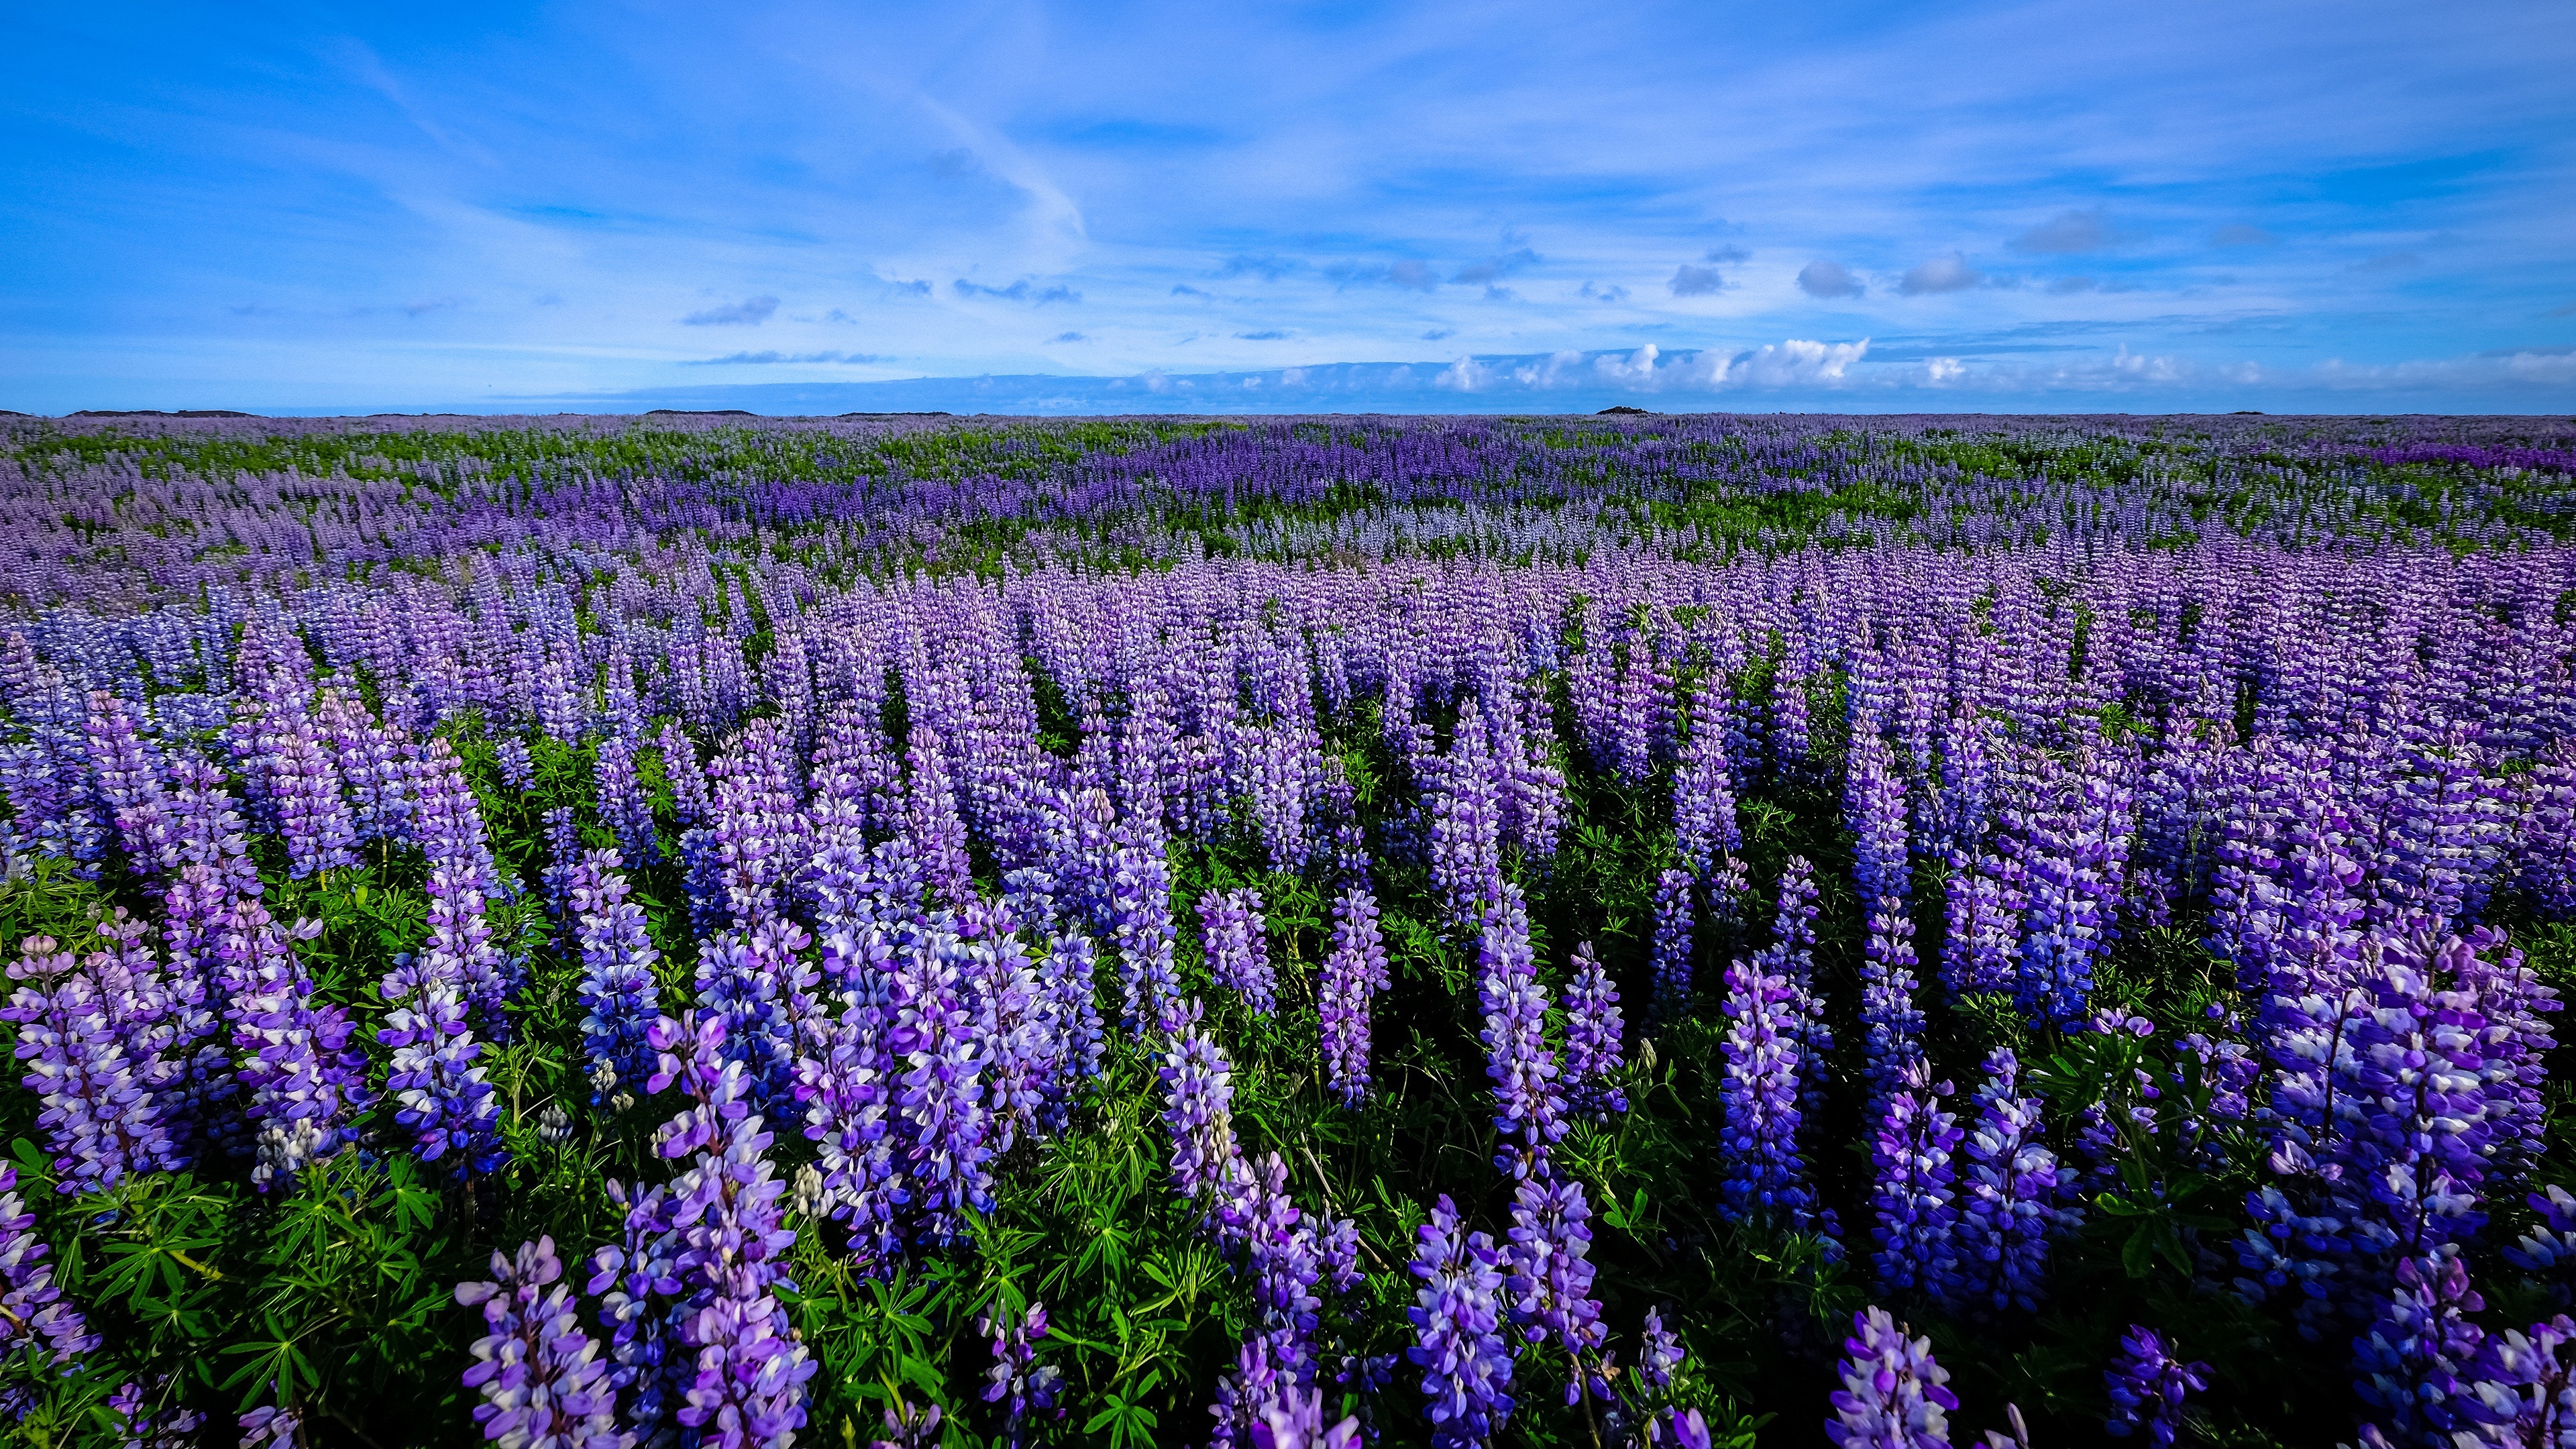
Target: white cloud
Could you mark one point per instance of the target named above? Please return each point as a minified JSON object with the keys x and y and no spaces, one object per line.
{"x":1464,"y":375}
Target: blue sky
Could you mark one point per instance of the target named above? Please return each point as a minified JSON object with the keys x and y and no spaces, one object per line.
{"x":2339,"y":207}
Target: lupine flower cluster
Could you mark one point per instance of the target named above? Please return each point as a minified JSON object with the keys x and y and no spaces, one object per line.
{"x":1352,"y":976}
{"x":856,"y":834}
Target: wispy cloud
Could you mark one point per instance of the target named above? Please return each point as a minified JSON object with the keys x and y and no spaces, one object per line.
{"x":2238,"y":234}
{"x":1019,"y":291}
{"x":1409,"y":275}
{"x":1068,"y":337}
{"x":1267,"y":335}
{"x":764,"y":359}
{"x":1612,"y":293}
{"x":2086,"y":229}
{"x":750,"y":312}
{"x":1494,"y":268}
{"x":1268,"y":268}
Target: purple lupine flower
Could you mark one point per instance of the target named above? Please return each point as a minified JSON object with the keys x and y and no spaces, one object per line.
{"x":1245,"y":1393}
{"x":1593,"y":1047}
{"x":939,"y":1092}
{"x":1704,"y":824}
{"x":304,"y":1081}
{"x":462,"y":877}
{"x":1464,"y":801}
{"x":2006,"y":1217}
{"x":1287,"y":1264}
{"x":2525,"y":1386}
{"x":2517,"y":1006}
{"x":931,"y":821}
{"x":563,"y":853}
{"x":756,"y":829}
{"x":1014,"y":1022}
{"x":1528,"y":1103}
{"x":1140,"y":926}
{"x":2383,"y":1128}
{"x":518,"y":771}
{"x":2147,"y":1385}
{"x":1354,"y":971}
{"x":844,"y":1085}
{"x":96,"y":1077}
{"x":2418,"y":1362}
{"x":444,"y":1099}
{"x":760,"y":984}
{"x":1198,"y":1112}
{"x":271,"y":1426}
{"x":1789,"y":720}
{"x":2074,"y":848}
{"x":1016,"y":1380}
{"x":540,"y":1373}
{"x":129,"y":781}
{"x":1458,"y":1331}
{"x":34,"y":1315}
{"x":1892,"y":1395}
{"x":375,"y":765}
{"x":691,"y":801}
{"x":1295,"y":1420}
{"x":1913,"y":1193}
{"x":620,"y":1000}
{"x":1233,"y":933}
{"x":1874,"y":811}
{"x":313,"y":818}
{"x":142,"y":1426}
{"x":2547,"y":1251}
{"x":1891,"y":1024}
{"x":635,"y":1281}
{"x":1672,"y":946}
{"x":2443,"y":837}
{"x":1758,"y":1141}
{"x":1551,"y":1277}
{"x":907,"y":1427}
{"x":1070,"y":976}
{"x":623,"y":806}
{"x":728,"y":1248}
{"x":1791,"y":957}
{"x":1659,"y":1354}
{"x":2548,"y":840}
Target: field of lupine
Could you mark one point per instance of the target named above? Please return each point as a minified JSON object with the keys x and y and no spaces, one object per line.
{"x":1676,"y":931}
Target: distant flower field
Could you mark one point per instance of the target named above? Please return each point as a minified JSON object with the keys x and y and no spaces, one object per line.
{"x":1677,"y":931}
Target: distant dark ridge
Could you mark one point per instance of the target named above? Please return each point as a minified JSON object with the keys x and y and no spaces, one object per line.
{"x":701,"y":413}
{"x":1623,"y":411}
{"x":159,"y":413}
{"x":898,"y":415}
